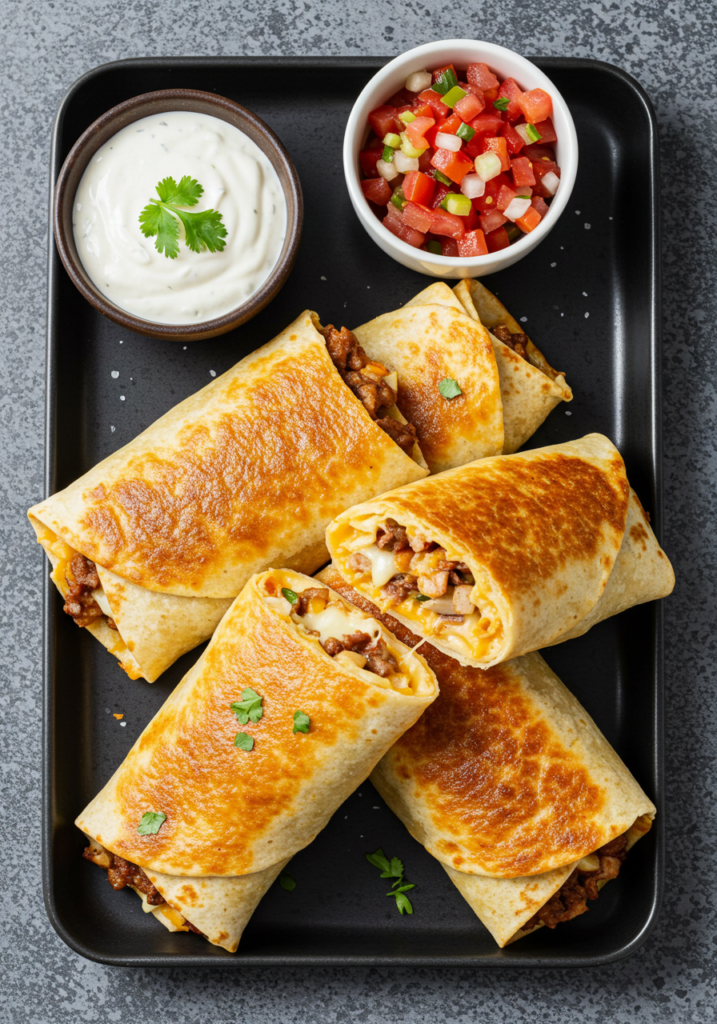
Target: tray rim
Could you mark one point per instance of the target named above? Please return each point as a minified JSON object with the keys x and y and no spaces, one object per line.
{"x":54,"y":269}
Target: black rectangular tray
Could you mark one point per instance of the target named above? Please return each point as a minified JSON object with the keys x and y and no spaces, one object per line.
{"x":589,"y":295}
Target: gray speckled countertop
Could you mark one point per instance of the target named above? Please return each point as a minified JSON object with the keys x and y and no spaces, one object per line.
{"x":671,"y":48}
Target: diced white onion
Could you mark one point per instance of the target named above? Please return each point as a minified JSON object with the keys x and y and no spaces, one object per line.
{"x":392,"y":380}
{"x":441,"y":605}
{"x":419,"y":81}
{"x":444,"y":140}
{"x":516,"y":209}
{"x":522,"y":130}
{"x":101,"y":599}
{"x":402,"y":163}
{"x":551,"y":182}
{"x":487,"y":165}
{"x":472,"y":186}
{"x":279,"y":604}
{"x":387,"y":170}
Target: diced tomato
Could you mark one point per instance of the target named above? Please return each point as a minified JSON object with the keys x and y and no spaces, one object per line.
{"x":445,"y":223}
{"x":417,"y":216}
{"x":490,"y":222}
{"x":540,"y":205}
{"x":368,"y":159}
{"x":472,"y":244}
{"x":537,"y":151}
{"x":402,"y":109}
{"x":512,"y":90}
{"x":487,"y":123}
{"x":422,"y":109}
{"x":490,"y":95}
{"x":439,"y":71}
{"x":522,"y":171}
{"x":440,"y":194}
{"x":451,"y":124}
{"x":540,"y":169}
{"x":535,"y":104}
{"x":435,"y":102}
{"x":376,"y":190}
{"x":469,"y":107}
{"x":481,"y":76}
{"x":424,"y":161}
{"x":383,"y":120}
{"x":397,"y":226}
{"x":418,"y":187}
{"x":470,"y":221}
{"x":530,"y":220}
{"x":417,"y":129}
{"x":497,"y":144}
{"x":512,"y":139}
{"x":505,"y":198}
{"x":487,"y":202}
{"x":497,"y":240}
{"x":402,"y":98}
{"x":525,"y":190}
{"x":454,"y":165}
{"x":449,"y":247}
{"x":546,"y":131}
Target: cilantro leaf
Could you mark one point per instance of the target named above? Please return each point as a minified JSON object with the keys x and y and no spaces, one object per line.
{"x":379,"y":860}
{"x":151,"y":823}
{"x":287,"y":882}
{"x":449,"y":388}
{"x":501,"y":103}
{"x":243,"y":741}
{"x":403,"y":888}
{"x":203,"y":230}
{"x":403,"y":904}
{"x":249,"y":708}
{"x":301,"y":722}
{"x":394,"y":869}
{"x":160,"y":219}
{"x":290,"y":596}
{"x":155,"y":219}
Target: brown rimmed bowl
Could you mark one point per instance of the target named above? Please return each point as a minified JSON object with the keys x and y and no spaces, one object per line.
{"x":161,"y":102}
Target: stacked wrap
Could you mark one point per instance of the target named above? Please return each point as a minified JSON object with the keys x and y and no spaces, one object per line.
{"x":242,"y":475}
{"x":234,"y":818}
{"x":506,"y":780}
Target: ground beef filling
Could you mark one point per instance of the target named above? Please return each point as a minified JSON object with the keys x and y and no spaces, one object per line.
{"x":378,"y":657}
{"x":425,"y":572}
{"x":79,"y":602}
{"x":518,"y":341}
{"x":571,"y":899}
{"x":366,"y":380}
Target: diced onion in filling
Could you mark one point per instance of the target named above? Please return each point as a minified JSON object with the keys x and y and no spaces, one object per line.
{"x":101,"y":599}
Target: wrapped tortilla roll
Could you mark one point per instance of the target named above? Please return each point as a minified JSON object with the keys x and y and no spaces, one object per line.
{"x":506,"y":555}
{"x":150,"y":547}
{"x":240,"y":789}
{"x":529,"y":386}
{"x":510,"y":785}
{"x":429,"y":343}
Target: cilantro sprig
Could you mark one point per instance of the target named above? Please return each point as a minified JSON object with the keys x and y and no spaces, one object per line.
{"x":151,"y":823}
{"x":450,"y":388}
{"x":161,"y":217}
{"x":393,"y":868}
{"x":249,"y":708}
{"x":301,"y":722}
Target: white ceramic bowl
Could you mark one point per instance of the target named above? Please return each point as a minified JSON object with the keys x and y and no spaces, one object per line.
{"x":386,"y":82}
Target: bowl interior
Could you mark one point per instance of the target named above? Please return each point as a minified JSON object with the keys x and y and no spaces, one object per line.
{"x":157,"y":103}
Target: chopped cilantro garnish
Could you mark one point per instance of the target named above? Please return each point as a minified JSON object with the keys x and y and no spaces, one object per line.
{"x":151,"y":823}
{"x":449,"y":388}
{"x":301,"y":722}
{"x":287,"y":882}
{"x":243,"y":741}
{"x":445,"y":82}
{"x":290,"y":596}
{"x":393,"y":869}
{"x":501,"y":103}
{"x":160,"y":219}
{"x":249,"y":708}
{"x":403,"y":904}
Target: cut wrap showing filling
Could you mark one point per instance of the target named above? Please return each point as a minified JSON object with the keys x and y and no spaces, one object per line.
{"x":122,"y":873}
{"x":587,"y":879}
{"x":352,"y":639}
{"x":422,"y":582}
{"x":373,"y":385}
{"x":524,"y":347}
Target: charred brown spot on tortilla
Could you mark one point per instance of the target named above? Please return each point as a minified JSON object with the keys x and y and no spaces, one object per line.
{"x":571,"y":898}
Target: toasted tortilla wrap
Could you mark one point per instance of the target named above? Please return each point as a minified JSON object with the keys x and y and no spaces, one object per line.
{"x":242,"y":475}
{"x":506,"y":781}
{"x":506,"y":555}
{"x":427,"y":344}
{"x":530,"y":388}
{"x":234,"y":816}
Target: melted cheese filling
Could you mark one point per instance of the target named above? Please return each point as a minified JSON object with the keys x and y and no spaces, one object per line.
{"x":479,"y":635}
{"x":338,"y":619}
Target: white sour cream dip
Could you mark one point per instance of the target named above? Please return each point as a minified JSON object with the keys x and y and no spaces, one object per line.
{"x":238,"y":181}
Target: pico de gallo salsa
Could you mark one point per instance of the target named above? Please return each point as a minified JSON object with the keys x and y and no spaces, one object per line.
{"x":460,"y":163}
